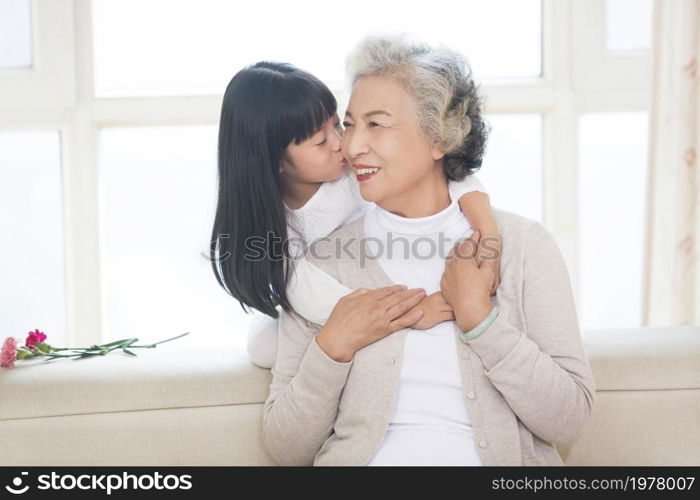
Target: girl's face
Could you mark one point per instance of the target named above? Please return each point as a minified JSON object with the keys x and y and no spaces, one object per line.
{"x":318,"y":158}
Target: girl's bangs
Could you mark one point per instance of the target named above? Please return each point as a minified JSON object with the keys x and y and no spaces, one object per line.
{"x":308,"y":112}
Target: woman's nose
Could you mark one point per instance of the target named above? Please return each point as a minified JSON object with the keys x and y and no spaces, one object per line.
{"x":353,"y":145}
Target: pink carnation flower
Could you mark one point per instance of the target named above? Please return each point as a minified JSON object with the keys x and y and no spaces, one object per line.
{"x":34,"y":338}
{"x":8,"y":355}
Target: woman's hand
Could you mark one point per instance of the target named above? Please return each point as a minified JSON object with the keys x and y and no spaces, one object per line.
{"x":435,"y":310}
{"x":365,"y":316}
{"x":465,"y":286}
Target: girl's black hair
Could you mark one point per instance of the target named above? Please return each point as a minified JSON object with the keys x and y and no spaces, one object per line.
{"x":266,"y":106}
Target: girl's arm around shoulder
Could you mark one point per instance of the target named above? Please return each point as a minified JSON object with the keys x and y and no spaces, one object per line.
{"x":312,"y":292}
{"x":475,"y":205}
{"x":474,"y":202}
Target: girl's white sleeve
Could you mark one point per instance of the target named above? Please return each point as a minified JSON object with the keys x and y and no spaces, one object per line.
{"x":313,"y":293}
{"x":466,"y":185}
{"x":262,"y":339}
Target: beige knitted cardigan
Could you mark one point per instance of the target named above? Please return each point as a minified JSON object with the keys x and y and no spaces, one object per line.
{"x":526,"y":381}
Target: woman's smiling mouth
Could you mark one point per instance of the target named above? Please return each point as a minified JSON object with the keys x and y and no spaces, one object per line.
{"x":364,"y":172}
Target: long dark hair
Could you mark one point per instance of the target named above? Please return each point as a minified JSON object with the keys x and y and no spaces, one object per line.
{"x":266,"y":106}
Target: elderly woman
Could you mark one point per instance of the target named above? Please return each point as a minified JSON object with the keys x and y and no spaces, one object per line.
{"x":503,"y":382}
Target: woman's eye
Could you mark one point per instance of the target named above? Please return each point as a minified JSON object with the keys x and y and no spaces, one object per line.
{"x":321,"y":143}
{"x":372,"y":124}
{"x":346,"y":124}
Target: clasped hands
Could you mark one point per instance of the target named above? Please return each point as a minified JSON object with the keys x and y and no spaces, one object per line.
{"x":365,"y":316}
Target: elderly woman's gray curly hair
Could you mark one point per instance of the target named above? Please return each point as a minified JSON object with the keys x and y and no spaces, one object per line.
{"x":447,"y":100}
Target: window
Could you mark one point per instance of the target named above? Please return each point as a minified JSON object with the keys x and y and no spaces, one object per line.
{"x":15,"y":35}
{"x":31,"y":221}
{"x":612,"y":182}
{"x":199,"y":47}
{"x":512,"y":167}
{"x":157,"y":193}
{"x":628,"y":25}
{"x":92,"y":120}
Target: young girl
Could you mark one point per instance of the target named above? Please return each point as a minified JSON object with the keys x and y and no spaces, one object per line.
{"x":283,"y":183}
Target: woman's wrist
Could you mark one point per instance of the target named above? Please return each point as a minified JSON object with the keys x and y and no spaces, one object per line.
{"x":475,"y":316}
{"x":482,"y":326}
{"x":334,"y":351}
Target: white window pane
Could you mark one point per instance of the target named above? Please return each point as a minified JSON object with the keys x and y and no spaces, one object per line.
{"x":612,"y":182}
{"x":32,"y":292}
{"x":15,"y":34}
{"x":512,"y":168}
{"x":628,"y":24}
{"x":157,"y":202}
{"x":192,"y":47}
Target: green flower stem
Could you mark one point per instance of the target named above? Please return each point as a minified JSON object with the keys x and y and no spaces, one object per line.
{"x":95,"y":347}
{"x":99,"y":350}
{"x":52,"y":355}
{"x":162,"y":341}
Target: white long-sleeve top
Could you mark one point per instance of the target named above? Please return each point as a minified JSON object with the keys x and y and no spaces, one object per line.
{"x":430,"y":424}
{"x":312,"y":292}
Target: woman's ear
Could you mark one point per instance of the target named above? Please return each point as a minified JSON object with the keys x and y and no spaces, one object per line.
{"x":437,"y":152}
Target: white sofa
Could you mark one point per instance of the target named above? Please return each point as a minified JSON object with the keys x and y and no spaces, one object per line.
{"x":189,"y":404}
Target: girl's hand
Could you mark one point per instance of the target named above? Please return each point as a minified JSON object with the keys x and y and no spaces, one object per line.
{"x":435,"y":310}
{"x":489,"y":256}
{"x":365,"y":316}
{"x":466,"y":287}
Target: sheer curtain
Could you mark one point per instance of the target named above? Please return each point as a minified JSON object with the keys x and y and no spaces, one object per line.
{"x":671,"y":277}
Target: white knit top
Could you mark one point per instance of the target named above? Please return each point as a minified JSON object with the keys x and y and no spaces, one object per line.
{"x":430,"y":424}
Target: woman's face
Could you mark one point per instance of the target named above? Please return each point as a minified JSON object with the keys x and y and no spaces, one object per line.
{"x":318,"y":158}
{"x":382,"y":131}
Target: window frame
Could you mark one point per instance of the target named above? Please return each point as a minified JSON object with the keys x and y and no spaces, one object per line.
{"x":46,"y":84}
{"x":578,"y":76}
